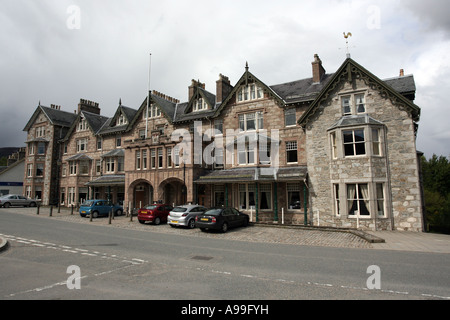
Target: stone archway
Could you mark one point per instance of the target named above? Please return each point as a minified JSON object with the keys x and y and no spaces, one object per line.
{"x":172,"y":191}
{"x":140,"y":193}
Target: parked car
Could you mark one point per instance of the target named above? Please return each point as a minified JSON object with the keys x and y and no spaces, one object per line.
{"x":154,"y":213}
{"x":14,"y":200}
{"x":221,"y":219}
{"x":99,"y":208}
{"x":184,"y":215}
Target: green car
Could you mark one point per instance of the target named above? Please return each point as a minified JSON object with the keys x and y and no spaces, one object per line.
{"x":99,"y":208}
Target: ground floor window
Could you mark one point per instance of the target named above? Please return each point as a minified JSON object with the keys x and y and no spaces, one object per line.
{"x":336,"y":200}
{"x":358,"y":200}
{"x":71,"y":196}
{"x":38,"y":192}
{"x":246,"y":196}
{"x":219,"y":195}
{"x":293,"y":196}
{"x":380,"y":200}
{"x":265,"y":192}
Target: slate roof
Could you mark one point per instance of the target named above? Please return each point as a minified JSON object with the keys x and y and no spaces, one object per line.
{"x":95,"y":121}
{"x":108,"y":180}
{"x":300,"y":90}
{"x":254,"y":174}
{"x":354,"y":120}
{"x":56,"y":117}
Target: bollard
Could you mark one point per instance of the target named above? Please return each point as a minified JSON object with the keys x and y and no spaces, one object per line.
{"x":51,"y":210}
{"x":71,"y":213}
{"x":131,"y":215}
{"x":90,"y":217}
{"x":59,"y":207}
{"x":110,"y":217}
{"x":37,"y":208}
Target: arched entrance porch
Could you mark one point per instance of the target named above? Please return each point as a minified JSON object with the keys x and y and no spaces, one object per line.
{"x":140,"y":193}
{"x":173,"y":191}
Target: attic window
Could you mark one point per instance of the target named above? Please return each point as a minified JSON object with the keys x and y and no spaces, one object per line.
{"x":82,"y":125}
{"x":153,"y":112}
{"x":121,"y":120}
{"x":250,"y":92}
{"x":199,"y":105}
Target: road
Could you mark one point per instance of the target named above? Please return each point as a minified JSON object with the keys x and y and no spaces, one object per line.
{"x":114,"y":263}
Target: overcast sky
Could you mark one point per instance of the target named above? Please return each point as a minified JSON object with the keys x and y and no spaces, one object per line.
{"x":58,"y":51}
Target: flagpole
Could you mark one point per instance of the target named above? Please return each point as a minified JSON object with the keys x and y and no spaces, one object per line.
{"x":148,"y":97}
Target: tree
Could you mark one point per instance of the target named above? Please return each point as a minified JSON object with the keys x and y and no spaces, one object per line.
{"x":436,"y":184}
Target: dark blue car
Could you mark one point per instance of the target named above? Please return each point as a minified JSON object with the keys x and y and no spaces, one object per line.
{"x":99,"y":208}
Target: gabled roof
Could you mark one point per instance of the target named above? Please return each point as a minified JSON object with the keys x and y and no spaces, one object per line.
{"x":110,"y":127}
{"x":94,"y":121}
{"x":246,"y":78}
{"x":348,"y":70}
{"x":55,"y":116}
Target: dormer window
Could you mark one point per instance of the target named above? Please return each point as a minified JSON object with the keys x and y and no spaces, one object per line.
{"x":249,"y":92}
{"x":199,"y":105}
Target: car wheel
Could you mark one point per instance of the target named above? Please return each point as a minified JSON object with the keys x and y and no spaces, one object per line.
{"x":142,"y":221}
{"x":191,"y":224}
{"x":157,"y":221}
{"x":7,"y":205}
{"x":119,"y":212}
{"x":224,"y":227}
{"x":33,"y":204}
{"x":245,"y":224}
{"x":83,"y":215}
{"x":95,"y":214}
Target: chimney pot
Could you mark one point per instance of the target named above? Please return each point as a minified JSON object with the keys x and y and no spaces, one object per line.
{"x":402,"y":73}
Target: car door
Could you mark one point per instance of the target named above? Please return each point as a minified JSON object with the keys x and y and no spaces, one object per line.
{"x":228,"y":217}
{"x":238,"y":218}
{"x":14,"y":201}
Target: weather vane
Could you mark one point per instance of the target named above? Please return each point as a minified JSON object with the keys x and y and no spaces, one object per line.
{"x":349,"y":34}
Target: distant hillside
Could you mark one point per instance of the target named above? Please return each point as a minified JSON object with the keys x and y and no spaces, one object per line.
{"x":5,"y":152}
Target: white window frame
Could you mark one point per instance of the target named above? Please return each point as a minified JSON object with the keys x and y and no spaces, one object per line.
{"x":29,"y":170}
{"x":351,"y":102}
{"x":250,"y":92}
{"x":290,"y":148}
{"x":245,"y":118}
{"x":358,"y":197}
{"x":82,"y":145}
{"x":354,"y":143}
{"x":110,"y":165}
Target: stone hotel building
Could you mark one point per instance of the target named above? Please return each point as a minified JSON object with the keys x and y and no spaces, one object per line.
{"x":335,"y":149}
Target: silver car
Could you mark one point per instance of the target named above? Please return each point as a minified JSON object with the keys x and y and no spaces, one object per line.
{"x":14,"y":200}
{"x":184,"y":215}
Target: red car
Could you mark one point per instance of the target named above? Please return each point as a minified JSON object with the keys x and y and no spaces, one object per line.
{"x":154,"y":213}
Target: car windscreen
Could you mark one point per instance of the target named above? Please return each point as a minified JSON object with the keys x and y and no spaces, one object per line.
{"x":179,"y":209}
{"x":213,"y":212}
{"x":87,"y":203}
{"x":151,"y":207}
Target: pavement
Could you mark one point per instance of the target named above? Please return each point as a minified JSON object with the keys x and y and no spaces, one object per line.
{"x":269,"y":233}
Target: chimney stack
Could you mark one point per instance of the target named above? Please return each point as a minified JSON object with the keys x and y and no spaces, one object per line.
{"x":89,"y":106}
{"x":192,"y":87}
{"x":402,"y":73}
{"x":318,"y":70}
{"x":223,"y":88}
